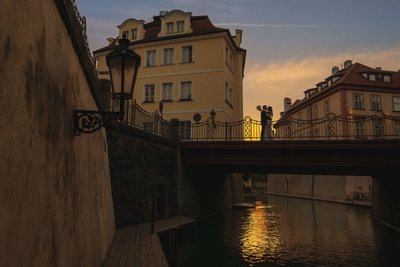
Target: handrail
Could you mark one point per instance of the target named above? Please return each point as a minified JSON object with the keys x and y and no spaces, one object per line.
{"x":330,"y":127}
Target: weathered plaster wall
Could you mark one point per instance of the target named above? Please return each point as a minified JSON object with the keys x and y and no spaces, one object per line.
{"x":55,"y":194}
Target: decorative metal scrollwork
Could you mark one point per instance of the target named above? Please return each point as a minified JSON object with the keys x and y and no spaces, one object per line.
{"x":331,"y":126}
{"x":210,"y":129}
{"x":88,"y":121}
{"x":379,"y":129}
{"x":247,"y":128}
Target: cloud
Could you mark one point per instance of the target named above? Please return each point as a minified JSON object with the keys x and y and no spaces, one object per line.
{"x":263,"y":25}
{"x":269,"y":84}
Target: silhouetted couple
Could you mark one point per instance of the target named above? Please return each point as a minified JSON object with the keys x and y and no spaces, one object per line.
{"x":266,"y":122}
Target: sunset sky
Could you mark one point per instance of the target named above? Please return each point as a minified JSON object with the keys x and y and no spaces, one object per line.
{"x":291,"y":44}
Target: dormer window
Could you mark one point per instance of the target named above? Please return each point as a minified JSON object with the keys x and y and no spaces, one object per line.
{"x":134,"y":34}
{"x":334,"y":79}
{"x":372,"y":77}
{"x":170,"y":27}
{"x":180,"y":26}
{"x":125,"y":34}
{"x":386,"y":78}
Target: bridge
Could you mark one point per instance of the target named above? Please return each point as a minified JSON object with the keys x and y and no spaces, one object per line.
{"x":330,"y":145}
{"x":352,"y":157}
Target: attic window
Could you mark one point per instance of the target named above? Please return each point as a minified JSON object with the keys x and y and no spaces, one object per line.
{"x":170,"y":27}
{"x":334,"y":79}
{"x":386,"y":78}
{"x":180,"y":26}
{"x":372,"y":77}
{"x":134,"y":34}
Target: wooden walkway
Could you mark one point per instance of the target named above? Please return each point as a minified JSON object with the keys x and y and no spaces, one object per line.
{"x":135,"y":247}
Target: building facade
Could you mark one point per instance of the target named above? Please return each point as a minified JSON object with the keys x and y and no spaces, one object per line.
{"x":355,"y":92}
{"x":189,"y":67}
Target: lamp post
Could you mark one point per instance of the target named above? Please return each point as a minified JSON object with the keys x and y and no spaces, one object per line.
{"x":123,"y":65}
{"x":211,"y":125}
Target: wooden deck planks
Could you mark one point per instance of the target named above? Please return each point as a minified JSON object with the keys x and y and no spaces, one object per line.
{"x":136,"y":247}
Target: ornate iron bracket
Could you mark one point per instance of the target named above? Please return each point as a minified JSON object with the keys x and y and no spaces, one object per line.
{"x":89,"y":121}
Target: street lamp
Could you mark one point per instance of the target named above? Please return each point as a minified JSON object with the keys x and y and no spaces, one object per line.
{"x":212,"y":116}
{"x":123,"y":65}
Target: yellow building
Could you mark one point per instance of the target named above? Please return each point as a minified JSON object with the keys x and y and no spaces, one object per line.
{"x":188,"y":65}
{"x":354,"y":92}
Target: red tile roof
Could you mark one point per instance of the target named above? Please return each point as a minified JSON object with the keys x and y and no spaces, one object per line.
{"x":200,"y":25}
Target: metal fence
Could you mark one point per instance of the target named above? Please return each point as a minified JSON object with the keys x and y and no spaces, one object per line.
{"x":330,"y":127}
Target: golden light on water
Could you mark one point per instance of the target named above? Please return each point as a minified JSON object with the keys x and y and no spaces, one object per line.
{"x":260,"y":236}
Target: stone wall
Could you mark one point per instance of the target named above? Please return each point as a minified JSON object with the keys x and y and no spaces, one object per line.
{"x":55,"y":194}
{"x":141,"y":165}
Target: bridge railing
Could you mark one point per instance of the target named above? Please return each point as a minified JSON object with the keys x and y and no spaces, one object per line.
{"x":330,"y":127}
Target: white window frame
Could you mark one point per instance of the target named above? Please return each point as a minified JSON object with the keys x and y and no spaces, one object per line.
{"x":387,"y":78}
{"x":187,"y":54}
{"x":149,"y":92}
{"x":180,"y":26}
{"x":151,"y":58}
{"x":376,"y":103}
{"x":134,"y":34}
{"x":167,"y":91}
{"x":168,"y":56}
{"x":170,"y":27}
{"x":186,"y":92}
{"x":396,"y":103}
{"x":358,"y":101}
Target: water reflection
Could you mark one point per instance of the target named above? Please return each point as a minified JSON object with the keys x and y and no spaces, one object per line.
{"x":259,"y":238}
{"x":290,"y":232}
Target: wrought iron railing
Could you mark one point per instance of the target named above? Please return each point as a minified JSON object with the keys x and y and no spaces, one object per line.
{"x":330,"y":127}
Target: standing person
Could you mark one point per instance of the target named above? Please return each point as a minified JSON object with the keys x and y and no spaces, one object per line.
{"x":269,"y":114}
{"x":263,"y":121}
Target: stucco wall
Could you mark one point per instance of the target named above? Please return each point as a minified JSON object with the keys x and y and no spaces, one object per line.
{"x":55,"y":196}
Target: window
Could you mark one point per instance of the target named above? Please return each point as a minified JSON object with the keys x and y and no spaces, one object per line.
{"x":358,"y":101}
{"x":187,"y":52}
{"x":149,"y":93}
{"x":168,"y":56}
{"x":184,"y":130}
{"x":186,"y":90}
{"x":360,"y":128}
{"x":125,"y":34}
{"x":226,"y":55}
{"x":386,"y":78}
{"x":166,"y":92}
{"x":151,"y":56}
{"x":327,"y":108}
{"x":376,"y":102}
{"x":180,"y":26}
{"x":228,"y":93}
{"x":396,"y":103}
{"x":170,"y":27}
{"x":372,"y":77}
{"x":134,"y":34}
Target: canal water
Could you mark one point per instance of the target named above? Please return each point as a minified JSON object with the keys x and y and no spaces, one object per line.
{"x":282,"y":231}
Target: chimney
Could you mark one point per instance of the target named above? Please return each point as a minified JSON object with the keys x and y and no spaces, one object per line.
{"x":287,"y":103}
{"x":347,"y":63}
{"x":163,"y":13}
{"x":335,"y":70}
{"x":110,"y":40}
{"x":238,"y":37}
